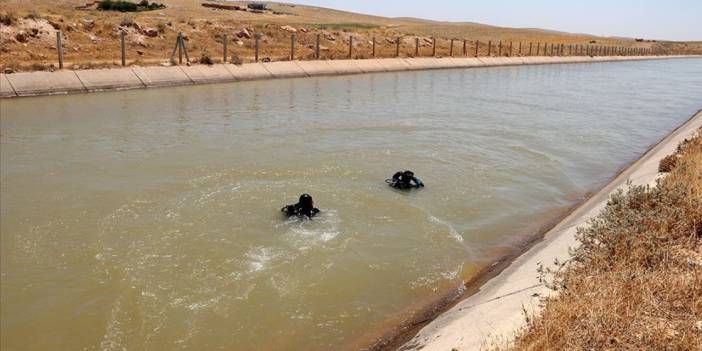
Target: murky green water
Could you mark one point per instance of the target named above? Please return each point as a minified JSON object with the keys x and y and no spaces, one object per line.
{"x":149,"y":220}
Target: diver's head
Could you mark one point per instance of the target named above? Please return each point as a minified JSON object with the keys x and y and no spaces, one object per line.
{"x":306,"y":201}
{"x":408,"y":174}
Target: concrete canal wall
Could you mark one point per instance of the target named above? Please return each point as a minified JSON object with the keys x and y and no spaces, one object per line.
{"x":94,"y":80}
{"x":495,"y":314}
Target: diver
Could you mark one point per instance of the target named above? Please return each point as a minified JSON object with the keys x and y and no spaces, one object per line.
{"x":404,"y":180}
{"x":304,"y":207}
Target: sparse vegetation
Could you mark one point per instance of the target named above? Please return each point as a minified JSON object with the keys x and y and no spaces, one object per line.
{"x":32,"y":15}
{"x":635,"y":283}
{"x":345,"y":26}
{"x":7,"y":19}
{"x":128,"y":6}
{"x":205,"y":59}
{"x":259,"y":6}
{"x":667,"y":163}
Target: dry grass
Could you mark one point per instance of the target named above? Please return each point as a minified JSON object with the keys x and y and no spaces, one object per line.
{"x":91,"y":37}
{"x":635,"y":283}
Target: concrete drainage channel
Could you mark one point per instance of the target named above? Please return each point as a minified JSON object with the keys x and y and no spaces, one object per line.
{"x":94,"y":80}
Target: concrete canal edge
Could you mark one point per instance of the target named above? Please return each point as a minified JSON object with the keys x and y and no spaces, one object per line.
{"x":494,"y":314}
{"x":95,"y":80}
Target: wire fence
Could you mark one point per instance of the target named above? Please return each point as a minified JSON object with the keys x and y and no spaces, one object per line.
{"x":312,"y":46}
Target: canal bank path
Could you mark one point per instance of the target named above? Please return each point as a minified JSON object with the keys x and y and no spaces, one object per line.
{"x":135,"y":77}
{"x":495,"y":314}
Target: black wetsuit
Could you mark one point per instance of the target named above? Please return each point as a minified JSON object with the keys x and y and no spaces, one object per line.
{"x":300,"y":211}
{"x":405,"y":180}
{"x":304,"y":207}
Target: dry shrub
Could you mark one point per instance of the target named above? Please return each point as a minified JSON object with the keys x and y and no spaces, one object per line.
{"x":8,"y":18}
{"x":205,"y":59}
{"x":236,"y":59}
{"x":667,"y":163}
{"x":635,"y":283}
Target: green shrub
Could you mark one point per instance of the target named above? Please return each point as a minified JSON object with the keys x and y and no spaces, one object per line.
{"x":128,"y":6}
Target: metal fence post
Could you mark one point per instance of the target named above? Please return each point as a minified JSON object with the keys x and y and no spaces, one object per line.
{"x":59,"y":47}
{"x":123,"y":50}
{"x":258,"y":46}
{"x":224,"y":48}
{"x":373,"y":48}
{"x":451,"y":48}
{"x":530,"y":43}
{"x":397,"y":47}
{"x":316,"y":47}
{"x":477,"y":48}
{"x":350,"y":46}
{"x":465,"y":47}
{"x":180,"y":48}
{"x":520,"y":49}
{"x":416,"y":47}
{"x":433,"y":47}
{"x":489,"y":48}
{"x":185,"y":50}
{"x":292,"y":47}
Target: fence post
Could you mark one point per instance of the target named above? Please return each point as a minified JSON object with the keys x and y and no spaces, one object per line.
{"x":551,"y":49}
{"x":520,"y":49}
{"x":477,"y":48}
{"x":123,"y":50}
{"x":180,"y":48}
{"x":538,"y":48}
{"x":433,"y":47}
{"x":499,"y":51}
{"x":489,"y":48}
{"x":224,"y":48}
{"x":292,"y":47}
{"x":185,"y":50}
{"x":350,"y":46}
{"x":316,"y":47}
{"x":510,"y":49}
{"x":530,"y":43}
{"x":416,"y":47}
{"x":465,"y":47}
{"x":451,"y":48}
{"x":397,"y":47}
{"x":59,"y":48}
{"x":257,"y":43}
{"x":373,"y":47}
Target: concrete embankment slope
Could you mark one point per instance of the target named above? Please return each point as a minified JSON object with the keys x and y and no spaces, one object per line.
{"x":94,"y":80}
{"x":494,"y":314}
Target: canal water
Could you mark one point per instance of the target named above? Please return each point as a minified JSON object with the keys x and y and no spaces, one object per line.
{"x":150,"y":219}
